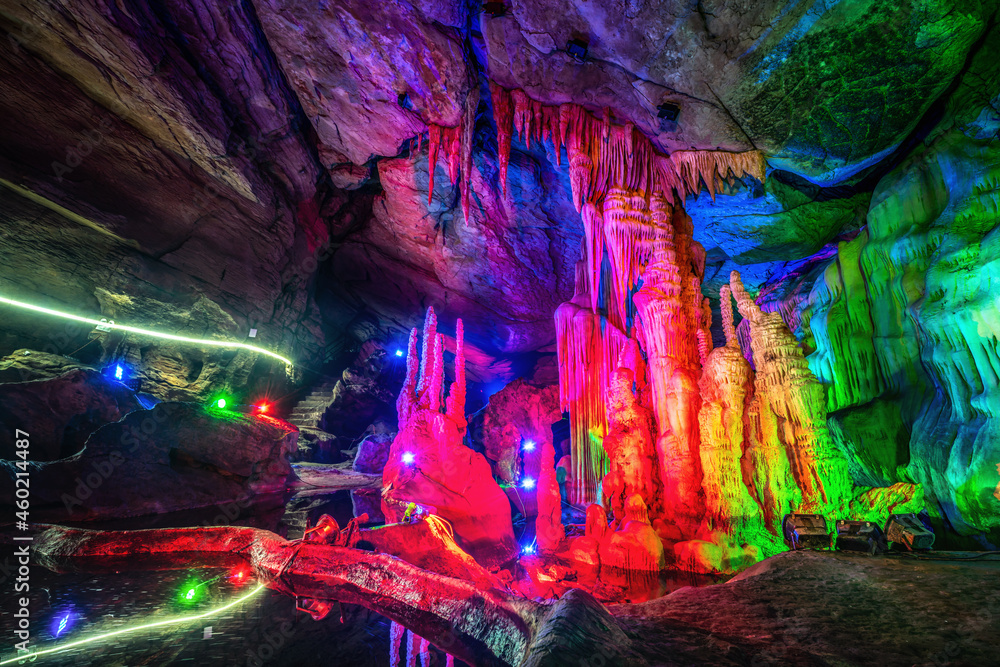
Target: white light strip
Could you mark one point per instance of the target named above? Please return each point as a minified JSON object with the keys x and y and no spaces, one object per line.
{"x":144,"y":332}
{"x":170,"y":621}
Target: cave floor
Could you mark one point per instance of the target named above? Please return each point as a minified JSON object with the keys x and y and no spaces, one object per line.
{"x":829,"y":608}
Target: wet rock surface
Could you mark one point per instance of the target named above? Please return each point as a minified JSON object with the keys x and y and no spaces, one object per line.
{"x":61,"y":412}
{"x":175,"y":456}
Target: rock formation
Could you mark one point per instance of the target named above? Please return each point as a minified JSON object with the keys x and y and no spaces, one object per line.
{"x":175,"y":456}
{"x":428,"y":463}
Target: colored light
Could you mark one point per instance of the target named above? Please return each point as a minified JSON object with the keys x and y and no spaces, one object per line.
{"x":408,"y":458}
{"x":190,"y":594}
{"x":263,"y":407}
{"x":147,"y":626}
{"x":528,"y":483}
{"x":63,"y":622}
{"x":119,"y":372}
{"x":529,"y":446}
{"x":528,"y":549}
{"x":144,"y":332}
{"x":221,"y":403}
{"x":399,"y":353}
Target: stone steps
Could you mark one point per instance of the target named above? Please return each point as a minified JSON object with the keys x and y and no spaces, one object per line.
{"x":309,"y":411}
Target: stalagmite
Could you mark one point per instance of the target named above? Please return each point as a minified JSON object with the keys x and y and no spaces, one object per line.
{"x":430,"y":465}
{"x":726,"y":386}
{"x":549,"y":529}
{"x":424,"y":649}
{"x":412,"y":642}
{"x":787,"y":390}
{"x":630,"y":448}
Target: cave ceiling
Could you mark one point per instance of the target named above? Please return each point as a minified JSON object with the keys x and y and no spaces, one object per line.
{"x":264,"y":154}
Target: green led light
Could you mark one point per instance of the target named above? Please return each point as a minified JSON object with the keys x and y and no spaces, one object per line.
{"x":145,"y":332}
{"x":221,"y":403}
{"x":190,"y":594}
{"x":157,"y":624}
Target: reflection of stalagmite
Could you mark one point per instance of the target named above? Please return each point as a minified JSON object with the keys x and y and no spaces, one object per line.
{"x":792,"y":408}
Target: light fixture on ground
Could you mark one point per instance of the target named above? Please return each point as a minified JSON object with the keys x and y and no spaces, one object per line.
{"x":908,"y":531}
{"x":806,"y":531}
{"x":862,"y":536}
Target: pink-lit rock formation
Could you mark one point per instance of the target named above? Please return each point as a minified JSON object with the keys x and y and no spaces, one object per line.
{"x":549,"y":530}
{"x":428,"y":463}
{"x":630,"y":448}
{"x":519,"y":414}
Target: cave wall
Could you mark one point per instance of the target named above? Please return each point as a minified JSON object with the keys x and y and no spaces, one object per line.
{"x":903,"y":326}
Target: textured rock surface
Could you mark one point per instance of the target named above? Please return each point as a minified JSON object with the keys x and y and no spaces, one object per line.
{"x":518,"y":414}
{"x":60,"y":412}
{"x":902,"y":327}
{"x":373,"y":453}
{"x":809,"y":608}
{"x":175,"y":456}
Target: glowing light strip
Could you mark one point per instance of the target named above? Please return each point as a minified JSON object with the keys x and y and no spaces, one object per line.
{"x":144,"y":332}
{"x":170,"y":621}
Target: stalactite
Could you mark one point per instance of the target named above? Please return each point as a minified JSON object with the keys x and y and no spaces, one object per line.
{"x":588,"y":350}
{"x":467,"y":136}
{"x":451,"y":139}
{"x":433,"y":147}
{"x":593,"y":227}
{"x":503,"y":114}
{"x":455,"y":405}
{"x":603,"y":155}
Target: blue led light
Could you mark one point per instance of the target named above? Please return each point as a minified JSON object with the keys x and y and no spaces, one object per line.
{"x":528,"y":549}
{"x":399,"y":353}
{"x":529,"y":445}
{"x":409,"y":458}
{"x":119,"y":372}
{"x":528,"y":483}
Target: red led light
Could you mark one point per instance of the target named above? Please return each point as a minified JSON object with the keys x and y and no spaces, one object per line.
{"x":263,"y":407}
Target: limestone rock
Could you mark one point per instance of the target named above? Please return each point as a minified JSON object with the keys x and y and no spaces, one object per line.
{"x":61,"y":412}
{"x":175,"y":456}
